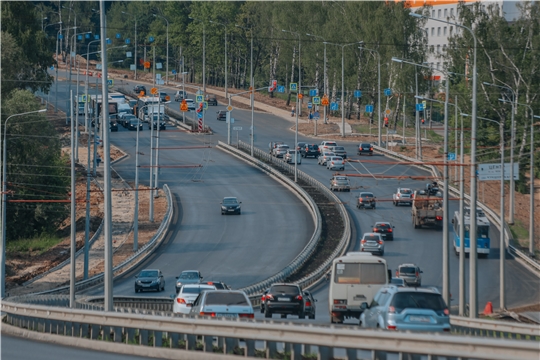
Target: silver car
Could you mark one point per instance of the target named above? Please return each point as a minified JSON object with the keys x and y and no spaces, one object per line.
{"x":323,"y":158}
{"x":373,"y":243}
{"x":410,"y":273}
{"x":280,"y":150}
{"x":187,"y":295}
{"x":406,"y":309}
{"x":291,"y":156}
{"x":339,"y":151}
{"x":335,"y":163}
{"x":403,"y":196}
{"x":223,"y":303}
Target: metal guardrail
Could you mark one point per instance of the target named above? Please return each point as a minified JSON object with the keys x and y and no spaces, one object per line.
{"x":533,"y":266}
{"x":243,"y":336}
{"x":254,"y":290}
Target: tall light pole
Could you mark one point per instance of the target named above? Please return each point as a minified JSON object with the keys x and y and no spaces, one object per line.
{"x":56,"y":68}
{"x":167,"y":66}
{"x":203,"y":55}
{"x":299,"y":105}
{"x":4,"y":200}
{"x":86,"y":84}
{"x":379,"y":92}
{"x":135,"y":60}
{"x":512,"y":140}
{"x":72,"y":46}
{"x":325,"y":85}
{"x":473,"y":270}
{"x":224,"y":26}
{"x":252,"y":86}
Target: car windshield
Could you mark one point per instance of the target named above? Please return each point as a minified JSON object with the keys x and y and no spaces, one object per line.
{"x":283,"y":147}
{"x":284,"y":289}
{"x":371,"y":237}
{"x":148,"y":273}
{"x":226,"y":298}
{"x":292,"y":151}
{"x":230,"y":201}
{"x":189,"y":275}
{"x":366,"y":195}
{"x":195,"y":289}
{"x":417,"y":300}
{"x":133,"y":122}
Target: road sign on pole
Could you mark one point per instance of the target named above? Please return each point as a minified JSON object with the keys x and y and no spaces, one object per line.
{"x":309,"y":105}
{"x":281,"y":89}
{"x":313,"y":92}
{"x":419,"y":107}
{"x":334,"y":106}
{"x":369,"y":108}
{"x":237,"y":128}
{"x":199,"y":98}
{"x":293,"y":86}
{"x":357,"y":93}
{"x":316,"y":100}
{"x":487,"y":172}
{"x":451,"y":156}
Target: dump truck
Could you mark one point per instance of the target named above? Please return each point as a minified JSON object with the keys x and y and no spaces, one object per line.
{"x":427,"y":210}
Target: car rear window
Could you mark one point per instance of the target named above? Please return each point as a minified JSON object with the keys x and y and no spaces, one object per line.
{"x":218,"y":285}
{"x":371,"y":237}
{"x":417,"y":300}
{"x":284,"y":289}
{"x":383,"y":226}
{"x":366,"y":195}
{"x":337,"y":158}
{"x":195,"y":290}
{"x":225,"y":298}
{"x":340,"y":148}
{"x":352,"y":273}
{"x":365,"y":145}
{"x":313,"y":147}
{"x":407,"y":270}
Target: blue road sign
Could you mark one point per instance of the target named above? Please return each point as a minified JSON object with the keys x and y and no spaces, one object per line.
{"x":316,"y":115}
{"x":174,"y":72}
{"x":87,"y":36}
{"x":387,"y":92}
{"x":52,"y":67}
{"x":451,"y":156}
{"x":313,"y":92}
{"x":309,"y":105}
{"x":128,"y":41}
{"x":369,"y":108}
{"x":109,"y":41}
{"x":199,"y":98}
{"x":79,"y":37}
{"x":334,"y":106}
{"x":110,"y":82}
{"x":281,"y":89}
{"x":199,"y":115}
{"x":96,"y":37}
{"x":205,"y":105}
{"x":151,"y":39}
{"x":357,"y":93}
{"x":317,"y":100}
{"x":294,"y":86}
{"x":420,"y":107}
{"x":60,"y":36}
{"x":118,"y":36}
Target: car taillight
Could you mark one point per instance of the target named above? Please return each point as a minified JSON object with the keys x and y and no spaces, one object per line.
{"x":380,"y":242}
{"x":269,"y":297}
{"x":298,"y":297}
{"x":371,"y":148}
{"x":247,"y":316}
{"x":308,"y":303}
{"x":446,"y":312}
{"x":389,"y":230}
{"x":363,"y":241}
{"x":340,"y":301}
{"x":360,"y":199}
{"x":439,"y":218}
{"x":446,"y":330}
{"x":392,"y":327}
{"x":180,"y":301}
{"x":416,"y":274}
{"x":212,"y":314}
{"x":375,"y":229}
{"x":391,"y":309}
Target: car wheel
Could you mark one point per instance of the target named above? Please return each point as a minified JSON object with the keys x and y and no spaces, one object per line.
{"x":301,"y":315}
{"x":136,"y":290}
{"x":312,"y":317}
{"x":382,"y":253}
{"x":267,"y":313}
{"x":239,"y":212}
{"x":283,"y":316}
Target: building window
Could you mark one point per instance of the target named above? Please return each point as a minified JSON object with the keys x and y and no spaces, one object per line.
{"x":433,"y":13}
{"x":445,"y":13}
{"x":432,"y":31}
{"x":438,"y":52}
{"x":451,"y":30}
{"x":444,"y":31}
{"x":432,"y":48}
{"x":451,"y":12}
{"x":439,"y":13}
{"x":438,"y":64}
{"x":438,"y":31}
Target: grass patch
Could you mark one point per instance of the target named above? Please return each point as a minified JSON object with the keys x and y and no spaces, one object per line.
{"x":519,"y":232}
{"x":40,"y":244}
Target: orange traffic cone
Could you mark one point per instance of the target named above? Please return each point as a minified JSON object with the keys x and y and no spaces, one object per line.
{"x":488,"y":309}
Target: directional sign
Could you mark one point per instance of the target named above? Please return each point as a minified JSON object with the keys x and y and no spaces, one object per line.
{"x":369,"y":108}
{"x":151,"y":39}
{"x":293,"y":86}
{"x":200,"y":115}
{"x":79,"y":37}
{"x":128,"y":41}
{"x":357,"y":93}
{"x":419,"y":107}
{"x":387,"y":92}
{"x":108,"y":41}
{"x":87,"y":36}
{"x":205,"y":105}
{"x":118,"y":36}
{"x":488,"y":172}
{"x":451,"y":156}
{"x":199,"y":98}
{"x":334,"y":106}
{"x":96,"y":37}
{"x":174,"y":72}
{"x":317,"y":100}
{"x":316,"y":115}
{"x":159,"y":66}
{"x":281,"y":89}
{"x":237,"y":128}
{"x":60,"y":36}
{"x":309,"y":105}
{"x":128,"y":54}
{"x":160,"y":82}
{"x":313,"y":92}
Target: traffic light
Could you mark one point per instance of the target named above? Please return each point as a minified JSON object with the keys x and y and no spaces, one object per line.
{"x":385,"y":121}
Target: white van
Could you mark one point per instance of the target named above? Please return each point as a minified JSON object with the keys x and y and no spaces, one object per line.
{"x":124,"y":108}
{"x":355,"y":279}
{"x":118,"y":97}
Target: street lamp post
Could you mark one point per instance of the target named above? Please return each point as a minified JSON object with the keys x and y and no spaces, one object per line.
{"x":473,"y":271}
{"x":204,"y":58}
{"x":299,"y":101}
{"x":325,"y":87}
{"x":167,"y":62}
{"x":56,"y":68}
{"x":135,"y":60}
{"x":252,"y":86}
{"x":225,"y":26}
{"x":379,"y":93}
{"x":3,"y":205}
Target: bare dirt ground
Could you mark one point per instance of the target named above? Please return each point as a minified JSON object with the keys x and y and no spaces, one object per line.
{"x":21,"y":267}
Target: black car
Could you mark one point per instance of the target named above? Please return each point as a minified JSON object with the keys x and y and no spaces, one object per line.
{"x":300,"y":146}
{"x":385,"y":229}
{"x":310,"y":150}
{"x":365,"y":148}
{"x":365,"y":200}
{"x":432,"y":188}
{"x":132,"y":125}
{"x":113,"y":125}
{"x":138,"y":88}
{"x":220,"y":285}
{"x":211,"y":100}
{"x":162,"y":125}
{"x":149,"y":279}
{"x":230,"y":205}
{"x":309,"y":305}
{"x":222,"y":115}
{"x":284,"y":299}
{"x":125,"y":119}
{"x":163,"y":97}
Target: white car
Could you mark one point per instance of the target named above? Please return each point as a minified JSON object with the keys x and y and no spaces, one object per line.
{"x":323,"y":158}
{"x":402,"y":196}
{"x":291,"y":156}
{"x":187,"y":295}
{"x":335,"y":163}
{"x":326,"y":146}
{"x":190,"y":104}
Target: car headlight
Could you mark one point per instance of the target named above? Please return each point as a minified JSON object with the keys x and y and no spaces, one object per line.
{"x":158,"y":281}
{"x":138,"y":281}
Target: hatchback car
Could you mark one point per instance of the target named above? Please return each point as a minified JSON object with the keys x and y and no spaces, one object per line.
{"x":149,"y":279}
{"x":222,"y":115}
{"x":125,"y":118}
{"x":385,"y":229}
{"x":340,"y":183}
{"x":132,"y":125}
{"x":323,"y":158}
{"x":163,"y":97}
{"x":340,"y":151}
{"x":326,"y":146}
{"x":402,"y":196}
{"x":280,"y":150}
{"x":365,"y":148}
{"x":372,"y":243}
{"x":224,"y":304}
{"x":190,"y":104}
{"x":407,"y":309}
{"x":410,"y":273}
{"x":310,"y":150}
{"x":211,"y":100}
{"x":284,"y":299}
{"x":186,"y":296}
{"x":366,"y":200}
{"x":188,"y":277}
{"x":335,"y":163}
{"x":230,"y":205}
{"x":291,"y":157}
{"x":309,"y":305}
